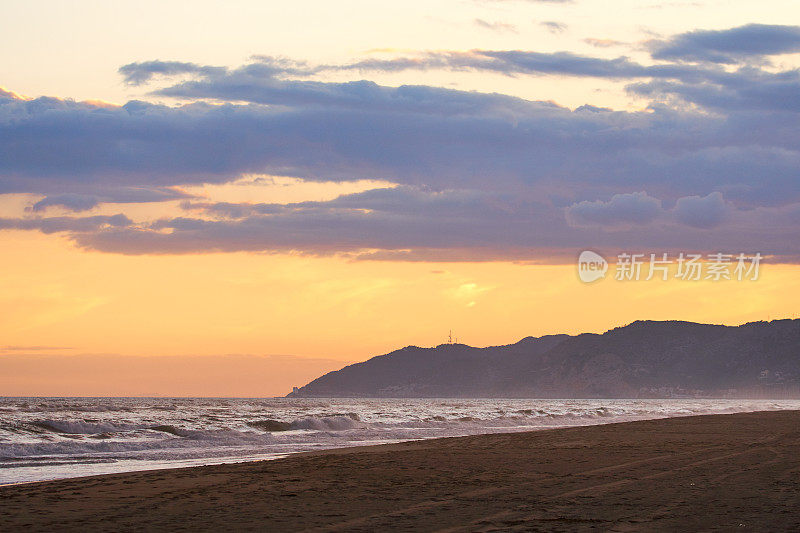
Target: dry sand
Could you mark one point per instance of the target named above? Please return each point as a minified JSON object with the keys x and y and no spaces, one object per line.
{"x":726,"y":472}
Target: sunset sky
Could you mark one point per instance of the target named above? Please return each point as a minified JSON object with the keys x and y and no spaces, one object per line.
{"x":207,"y":198}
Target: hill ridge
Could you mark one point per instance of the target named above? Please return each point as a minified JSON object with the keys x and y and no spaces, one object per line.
{"x":646,"y":358}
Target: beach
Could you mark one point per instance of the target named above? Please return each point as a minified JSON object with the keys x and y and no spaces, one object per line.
{"x":726,"y":472}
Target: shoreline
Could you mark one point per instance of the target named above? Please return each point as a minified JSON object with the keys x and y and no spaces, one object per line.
{"x":694,"y":472}
{"x":257,"y":456}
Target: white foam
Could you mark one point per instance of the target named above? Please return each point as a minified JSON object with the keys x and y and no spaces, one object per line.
{"x":328,"y":423}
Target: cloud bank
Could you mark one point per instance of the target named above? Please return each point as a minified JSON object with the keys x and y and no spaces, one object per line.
{"x":713,"y":160}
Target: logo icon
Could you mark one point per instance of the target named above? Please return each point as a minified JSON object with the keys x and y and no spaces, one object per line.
{"x":591,"y":266}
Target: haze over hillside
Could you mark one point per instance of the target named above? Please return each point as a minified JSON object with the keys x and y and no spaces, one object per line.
{"x":644,"y":359}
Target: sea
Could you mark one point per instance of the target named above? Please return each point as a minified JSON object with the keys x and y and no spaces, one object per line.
{"x":53,"y":438}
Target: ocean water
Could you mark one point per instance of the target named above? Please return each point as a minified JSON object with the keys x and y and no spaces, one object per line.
{"x":51,"y":438}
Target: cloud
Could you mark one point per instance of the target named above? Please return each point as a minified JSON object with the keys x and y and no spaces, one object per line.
{"x":78,"y":202}
{"x":477,"y":174}
{"x":392,"y":201}
{"x":640,"y":209}
{"x":141,"y":195}
{"x":411,"y":135}
{"x":412,"y":224}
{"x":701,"y":212}
{"x":141,"y":73}
{"x":553,"y":26}
{"x":744,"y":90}
{"x":518,"y":61}
{"x":623,"y":209}
{"x":510,"y":62}
{"x":407,"y":223}
{"x":500,"y":27}
{"x":603,"y":43}
{"x":74,"y":225}
{"x":705,"y":84}
{"x":386,"y":218}
{"x":69,"y":201}
{"x":107,"y":195}
{"x":477,"y":111}
{"x":729,"y":45}
{"x":680,"y":80}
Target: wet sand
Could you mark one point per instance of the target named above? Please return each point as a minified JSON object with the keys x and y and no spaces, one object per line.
{"x":715,"y":472}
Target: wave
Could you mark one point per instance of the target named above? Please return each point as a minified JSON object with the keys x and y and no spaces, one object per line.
{"x":179,"y":439}
{"x":333,"y":422}
{"x":57,"y":407}
{"x":130,"y":432}
{"x":83,"y":427}
{"x":270,"y":425}
{"x":44,"y":461}
{"x":329,"y":423}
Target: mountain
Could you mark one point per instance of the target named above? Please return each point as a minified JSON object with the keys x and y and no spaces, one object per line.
{"x":640,"y":360}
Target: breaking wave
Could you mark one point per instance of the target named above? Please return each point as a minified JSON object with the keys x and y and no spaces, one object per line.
{"x":68,"y":437}
{"x":329,"y":423}
{"x":81,"y":427}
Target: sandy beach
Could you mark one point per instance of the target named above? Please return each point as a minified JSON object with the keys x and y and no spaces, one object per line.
{"x":714,"y":472}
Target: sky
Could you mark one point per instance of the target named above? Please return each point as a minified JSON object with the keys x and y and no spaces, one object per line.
{"x":230,"y":199}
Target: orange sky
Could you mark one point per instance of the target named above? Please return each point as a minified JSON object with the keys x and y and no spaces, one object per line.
{"x":317,"y":313}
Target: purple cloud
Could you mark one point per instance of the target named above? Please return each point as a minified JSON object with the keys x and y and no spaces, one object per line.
{"x":623,"y":209}
{"x":730,"y":45}
{"x":701,"y":212}
{"x":477,"y":173}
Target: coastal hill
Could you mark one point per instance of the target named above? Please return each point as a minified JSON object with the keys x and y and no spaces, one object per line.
{"x":645,"y":359}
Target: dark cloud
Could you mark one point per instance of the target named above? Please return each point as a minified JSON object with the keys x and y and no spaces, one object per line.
{"x":637,"y":209}
{"x":120,"y":195}
{"x":143,"y":72}
{"x":730,"y":45}
{"x":672,"y":148}
{"x":413,"y":135}
{"x":389,"y":219}
{"x":623,"y":209}
{"x":510,"y":62}
{"x":140,"y":195}
{"x":490,"y":175}
{"x":701,"y":212}
{"x":140,"y":73}
{"x":744,"y":90}
{"x":706,"y":86}
{"x":517,"y":61}
{"x":75,"y":225}
{"x":413,"y":224}
{"x":70,"y":201}
{"x":403,"y":200}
